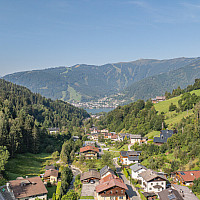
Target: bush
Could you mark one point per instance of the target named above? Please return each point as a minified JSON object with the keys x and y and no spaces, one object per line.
{"x":49,"y":184}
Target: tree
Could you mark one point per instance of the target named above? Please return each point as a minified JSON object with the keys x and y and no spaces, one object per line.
{"x":71,"y":195}
{"x":4,"y":155}
{"x":172,"y":107}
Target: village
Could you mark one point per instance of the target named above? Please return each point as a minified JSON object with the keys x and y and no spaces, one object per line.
{"x":127,"y":180}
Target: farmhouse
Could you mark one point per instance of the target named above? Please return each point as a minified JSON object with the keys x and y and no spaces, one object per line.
{"x":138,"y":138}
{"x":27,"y":188}
{"x":111,"y":187}
{"x":152,"y":182}
{"x":91,"y":176}
{"x":164,"y":135}
{"x":51,"y":175}
{"x":89,"y":152}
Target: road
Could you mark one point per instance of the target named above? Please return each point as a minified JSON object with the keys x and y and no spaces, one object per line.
{"x":131,"y":190}
{"x":75,"y":172}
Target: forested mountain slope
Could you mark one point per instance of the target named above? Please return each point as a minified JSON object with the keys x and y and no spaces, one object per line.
{"x":159,"y":84}
{"x":24,"y":117}
{"x":86,"y":82}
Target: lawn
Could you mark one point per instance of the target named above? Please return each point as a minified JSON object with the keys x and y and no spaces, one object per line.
{"x":152,"y":134}
{"x":51,"y":190}
{"x":26,"y":165}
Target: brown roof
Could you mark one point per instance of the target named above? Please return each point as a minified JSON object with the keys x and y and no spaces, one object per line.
{"x":109,"y":182}
{"x":149,"y":174}
{"x":189,"y":176}
{"x":90,"y":174}
{"x":28,"y":187}
{"x":170,"y":194}
{"x":89,"y":148}
{"x":51,"y":172}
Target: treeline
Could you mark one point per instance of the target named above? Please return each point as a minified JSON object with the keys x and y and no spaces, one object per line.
{"x":179,"y":91}
{"x":24,"y":117}
{"x":136,"y":118}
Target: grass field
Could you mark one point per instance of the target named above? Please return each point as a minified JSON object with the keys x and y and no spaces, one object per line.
{"x":26,"y":165}
{"x":51,"y":190}
{"x":152,"y":134}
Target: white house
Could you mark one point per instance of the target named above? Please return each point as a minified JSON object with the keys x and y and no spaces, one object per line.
{"x":129,"y":157}
{"x":151,"y":181}
{"x":136,"y":169}
{"x":138,"y":138}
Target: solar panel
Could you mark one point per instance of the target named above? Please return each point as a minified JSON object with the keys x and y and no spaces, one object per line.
{"x":171,"y":197}
{"x":182,"y":173}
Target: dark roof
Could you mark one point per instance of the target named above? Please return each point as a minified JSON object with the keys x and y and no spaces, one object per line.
{"x":130,"y":153}
{"x":136,"y":167}
{"x":50,"y":167}
{"x":92,"y":173}
{"x":53,"y":129}
{"x":106,"y":169}
{"x":133,"y":158}
{"x":164,"y":135}
{"x":170,"y":194}
{"x":28,"y":187}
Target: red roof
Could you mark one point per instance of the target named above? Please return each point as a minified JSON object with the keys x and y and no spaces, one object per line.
{"x":189,"y":176}
{"x":109,"y":182}
{"x":89,"y":148}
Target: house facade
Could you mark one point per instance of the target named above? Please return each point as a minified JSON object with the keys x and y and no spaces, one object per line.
{"x":27,"y":188}
{"x":89,"y":152}
{"x":51,"y":175}
{"x":136,"y":169}
{"x":111,"y":187}
{"x":91,"y":176}
{"x":152,"y":182}
{"x":129,"y":157}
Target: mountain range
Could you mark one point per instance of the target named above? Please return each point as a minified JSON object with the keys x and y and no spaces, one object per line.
{"x":140,"y":79}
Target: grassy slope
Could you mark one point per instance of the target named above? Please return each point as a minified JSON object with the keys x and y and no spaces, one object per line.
{"x":26,"y":165}
{"x":172,"y":118}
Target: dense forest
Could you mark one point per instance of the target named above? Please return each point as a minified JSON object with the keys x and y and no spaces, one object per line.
{"x":24,"y":117}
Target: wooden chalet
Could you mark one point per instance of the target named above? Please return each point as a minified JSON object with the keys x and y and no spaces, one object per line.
{"x":91,"y":176}
{"x":89,"y":152}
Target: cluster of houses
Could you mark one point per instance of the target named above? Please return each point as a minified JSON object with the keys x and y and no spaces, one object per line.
{"x":29,"y":188}
{"x":103,"y":185}
{"x":156,"y":185}
{"x":158,"y":99}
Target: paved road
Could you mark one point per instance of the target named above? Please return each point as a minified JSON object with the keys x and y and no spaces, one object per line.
{"x":131,"y":191}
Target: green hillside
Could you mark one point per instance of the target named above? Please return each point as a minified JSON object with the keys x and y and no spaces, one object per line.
{"x":88,"y":82}
{"x":157,"y":85}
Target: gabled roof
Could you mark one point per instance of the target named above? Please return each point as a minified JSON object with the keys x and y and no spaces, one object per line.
{"x":135,"y":136}
{"x":92,"y":173}
{"x":130,"y":153}
{"x":189,"y":176}
{"x":109,"y":182}
{"x":188,"y":194}
{"x":51,"y":172}
{"x":136,"y":167}
{"x":28,"y":187}
{"x":106,"y":169}
{"x":170,"y":194}
{"x":149,"y":174}
{"x":89,"y":148}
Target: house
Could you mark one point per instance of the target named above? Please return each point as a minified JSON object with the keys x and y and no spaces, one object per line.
{"x":104,"y":131}
{"x":91,"y":176}
{"x":75,"y":138}
{"x":89,"y":152}
{"x":53,"y":130}
{"x":51,"y":175}
{"x":186,"y":177}
{"x":94,"y":136}
{"x":150,"y":195}
{"x":111,"y":187}
{"x":129,"y":157}
{"x":185,"y":192}
{"x":136,"y":169}
{"x":94,"y":130}
{"x":138,"y":138}
{"x":89,"y":143}
{"x":158,"y":99}
{"x":105,"y":171}
{"x":170,"y":194}
{"x":151,"y":181}
{"x":123,"y":136}
{"x":111,"y":135}
{"x":164,"y":135}
{"x":27,"y":188}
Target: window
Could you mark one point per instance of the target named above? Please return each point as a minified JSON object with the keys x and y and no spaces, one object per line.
{"x":162,"y":183}
{"x":150,"y":188}
{"x":120,"y":197}
{"x":122,"y":191}
{"x":111,"y":192}
{"x":116,"y":191}
{"x":157,"y":183}
{"x":158,"y":189}
{"x":151,"y":183}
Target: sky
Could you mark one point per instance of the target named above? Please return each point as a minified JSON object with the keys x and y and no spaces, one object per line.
{"x":38,"y":34}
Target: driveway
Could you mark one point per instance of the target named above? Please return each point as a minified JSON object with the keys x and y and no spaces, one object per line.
{"x":131,"y":190}
{"x":88,"y":189}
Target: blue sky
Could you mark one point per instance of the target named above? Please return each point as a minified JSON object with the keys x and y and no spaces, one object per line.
{"x":36,"y":34}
